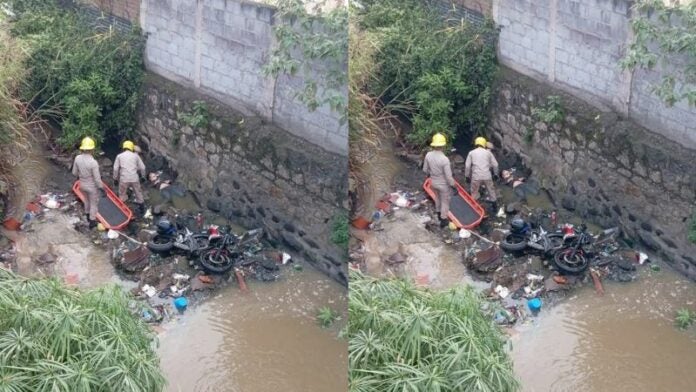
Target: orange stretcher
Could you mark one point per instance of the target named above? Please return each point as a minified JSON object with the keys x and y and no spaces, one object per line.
{"x":112,"y":213}
{"x":465,"y":212}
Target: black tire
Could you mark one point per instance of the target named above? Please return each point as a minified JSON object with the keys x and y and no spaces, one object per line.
{"x":514,"y":242}
{"x":570,"y":262}
{"x":161,"y":243}
{"x":216,"y":261}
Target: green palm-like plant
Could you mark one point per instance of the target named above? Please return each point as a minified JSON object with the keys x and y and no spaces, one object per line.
{"x":402,"y":338}
{"x":56,"y":339}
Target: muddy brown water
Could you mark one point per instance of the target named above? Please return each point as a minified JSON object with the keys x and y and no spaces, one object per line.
{"x":265,"y":340}
{"x":623,"y":341}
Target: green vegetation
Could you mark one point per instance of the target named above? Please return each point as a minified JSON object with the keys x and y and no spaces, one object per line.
{"x":402,"y":338}
{"x":684,"y":319}
{"x":443,"y":70}
{"x":199,"y":117}
{"x":339,"y":230}
{"x":551,"y":112}
{"x":692,"y":229}
{"x":664,"y":32}
{"x":305,"y":38}
{"x":56,"y":339}
{"x":88,"y":81}
{"x":326,"y":316}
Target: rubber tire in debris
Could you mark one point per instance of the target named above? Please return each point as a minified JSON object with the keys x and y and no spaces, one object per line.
{"x":160,"y":247}
{"x":216,"y":267}
{"x":563,"y":266}
{"x":511,"y":242}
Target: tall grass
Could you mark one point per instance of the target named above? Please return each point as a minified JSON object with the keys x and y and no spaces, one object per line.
{"x":14,"y":115}
{"x":56,"y":339}
{"x":405,"y":339}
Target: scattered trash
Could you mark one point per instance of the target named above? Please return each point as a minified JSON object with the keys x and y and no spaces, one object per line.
{"x":560,"y":279}
{"x":149,"y":290}
{"x":464,"y":234}
{"x":112,"y":234}
{"x":596,"y":279}
{"x":286,"y":258}
{"x":534,"y":278}
{"x":502,"y":291}
{"x":298,"y":267}
{"x":11,"y":224}
{"x":240,"y":279}
{"x":641,"y":258}
{"x":100,"y":227}
{"x":655,"y":267}
{"x":501,"y":213}
{"x":360,"y":223}
{"x":206,"y":279}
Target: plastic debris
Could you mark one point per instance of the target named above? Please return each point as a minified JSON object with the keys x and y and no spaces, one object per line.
{"x":534,"y":304}
{"x":112,"y":234}
{"x":534,"y":278}
{"x":501,"y":213}
{"x":464,"y":233}
{"x":641,"y":258}
{"x":181,"y":304}
{"x":401,"y":202}
{"x":286,"y":258}
{"x":502,"y":291}
{"x":149,"y":290}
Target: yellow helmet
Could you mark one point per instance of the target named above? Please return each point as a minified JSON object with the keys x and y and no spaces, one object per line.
{"x":87,"y":144}
{"x":439,"y":140}
{"x":128,"y":145}
{"x":480,"y":141}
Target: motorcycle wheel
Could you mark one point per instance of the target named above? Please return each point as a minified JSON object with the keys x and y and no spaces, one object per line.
{"x":216,"y":261}
{"x":514,"y":242}
{"x":161,"y":243}
{"x":570,"y":262}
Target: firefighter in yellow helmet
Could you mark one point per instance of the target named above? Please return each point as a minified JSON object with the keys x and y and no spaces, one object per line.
{"x":437,"y":166}
{"x":86,"y":168}
{"x":127,"y":166}
{"x":480,"y":167}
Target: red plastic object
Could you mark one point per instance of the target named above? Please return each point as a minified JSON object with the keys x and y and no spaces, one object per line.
{"x":114,"y":199}
{"x":361,"y":223}
{"x":468,"y":199}
{"x":11,"y":224}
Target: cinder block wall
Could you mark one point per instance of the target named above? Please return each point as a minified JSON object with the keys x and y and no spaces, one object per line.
{"x":219,"y":47}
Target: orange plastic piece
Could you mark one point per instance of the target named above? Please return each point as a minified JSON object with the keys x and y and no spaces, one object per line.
{"x":11,"y":224}
{"x":361,"y":223}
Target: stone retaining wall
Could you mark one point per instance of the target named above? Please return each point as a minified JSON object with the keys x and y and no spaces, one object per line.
{"x":611,"y":171}
{"x":251,"y":171}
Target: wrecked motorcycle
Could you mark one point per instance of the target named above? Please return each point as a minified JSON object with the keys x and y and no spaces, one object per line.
{"x":573,"y":258}
{"x":177,"y":236}
{"x":228,"y":250}
{"x":522,"y":236}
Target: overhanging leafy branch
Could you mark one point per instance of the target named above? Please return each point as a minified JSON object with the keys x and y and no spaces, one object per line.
{"x":311,"y":39}
{"x":664,"y":32}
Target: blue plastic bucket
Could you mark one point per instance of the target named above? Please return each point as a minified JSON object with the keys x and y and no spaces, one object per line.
{"x":180,"y":304}
{"x":534,"y":304}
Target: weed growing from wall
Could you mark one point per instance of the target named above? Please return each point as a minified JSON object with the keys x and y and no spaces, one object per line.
{"x":551,"y":113}
{"x":198,"y":117}
{"x":444,"y":69}
{"x":88,"y":81}
{"x":340,"y":234}
{"x":692,"y":229}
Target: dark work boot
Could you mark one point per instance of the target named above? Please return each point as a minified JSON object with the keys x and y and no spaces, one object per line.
{"x":444,"y":222}
{"x":141,"y":209}
{"x":92,"y":224}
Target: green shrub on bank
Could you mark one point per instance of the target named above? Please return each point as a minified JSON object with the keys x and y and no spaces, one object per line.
{"x":88,"y":81}
{"x":402,"y":338}
{"x":445,"y":70}
{"x":56,"y":339}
